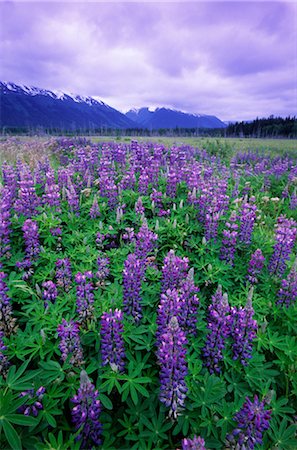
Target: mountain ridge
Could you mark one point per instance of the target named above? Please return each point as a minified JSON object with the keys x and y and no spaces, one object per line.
{"x":29,"y":106}
{"x":32,"y":107}
{"x":163,"y":117}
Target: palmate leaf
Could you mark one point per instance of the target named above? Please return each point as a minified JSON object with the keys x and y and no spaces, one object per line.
{"x":283,"y":436}
{"x":211,"y":391}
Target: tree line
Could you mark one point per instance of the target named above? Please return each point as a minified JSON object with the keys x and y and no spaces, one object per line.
{"x":271,"y":127}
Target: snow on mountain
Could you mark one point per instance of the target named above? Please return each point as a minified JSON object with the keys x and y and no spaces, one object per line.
{"x":30,"y":106}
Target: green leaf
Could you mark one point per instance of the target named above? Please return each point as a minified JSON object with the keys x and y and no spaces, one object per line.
{"x":12,"y":436}
{"x":20,"y":419}
{"x":106,"y":402}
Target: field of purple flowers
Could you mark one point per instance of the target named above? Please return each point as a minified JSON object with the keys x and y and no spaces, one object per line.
{"x":148,"y":299}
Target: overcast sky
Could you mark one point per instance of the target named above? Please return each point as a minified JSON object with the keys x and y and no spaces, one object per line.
{"x":236,"y":60}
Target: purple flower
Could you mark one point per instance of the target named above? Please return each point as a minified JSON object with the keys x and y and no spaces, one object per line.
{"x":84,"y":295}
{"x":51,"y":196}
{"x":103,"y":268}
{"x":287,"y":295}
{"x":27,"y":201}
{"x":7,"y":321}
{"x":139,"y":208}
{"x":255,"y":266}
{"x":50,"y":292}
{"x":86,"y":413}
{"x":5,"y":223}
{"x":252,"y":420}
{"x":68,"y":333}
{"x":170,"y":306}
{"x":143,"y":182}
{"x":63,"y":274}
{"x":172,"y":180}
{"x":72,"y":198}
{"x":189,"y":304}
{"x":133,"y":275}
{"x":218,"y":324}
{"x":285,"y":237}
{"x":31,"y":237}
{"x":171,"y":356}
{"x":4,"y":363}
{"x":112,"y":343}
{"x":94,"y":211}
{"x":174,"y":271}
{"x":247,"y":218}
{"x":243,"y":330}
{"x":145,"y":241}
{"x":197,"y":443}
{"x":229,"y":241}
{"x":35,"y":402}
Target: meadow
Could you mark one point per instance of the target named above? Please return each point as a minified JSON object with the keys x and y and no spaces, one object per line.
{"x":148,"y":294}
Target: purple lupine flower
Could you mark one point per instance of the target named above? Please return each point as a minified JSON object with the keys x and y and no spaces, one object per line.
{"x":31,"y":237}
{"x":4,"y":363}
{"x":72,"y":198}
{"x":169,"y":306}
{"x":27,"y":200}
{"x":218,"y":324}
{"x":7,"y":321}
{"x":129,"y":235}
{"x":84,"y":296}
{"x":287,"y":295}
{"x":63,"y":274}
{"x":243,"y":330}
{"x":5,"y":223}
{"x":68,"y":333}
{"x":26,"y":266}
{"x":103,"y":268}
{"x":139,"y":208}
{"x":171,"y":356}
{"x":252,"y":420}
{"x":9,"y":180}
{"x":133,"y":275}
{"x":172,"y":180}
{"x":51,"y":196}
{"x":108,"y":189}
{"x":189,"y":304}
{"x":285,"y":235}
{"x":50,"y":292}
{"x":247,"y":218}
{"x":143,"y":182}
{"x":174,"y":271}
{"x":197,"y":443}
{"x":229,"y":241}
{"x":156,"y":197}
{"x":35,"y":402}
{"x":255,"y":266}
{"x":86,"y":413}
{"x":293,"y":201}
{"x":112,"y":343}
{"x":145,"y":241}
{"x":94,"y":211}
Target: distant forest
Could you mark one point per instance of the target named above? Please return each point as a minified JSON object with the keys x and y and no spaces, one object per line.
{"x":271,"y":127}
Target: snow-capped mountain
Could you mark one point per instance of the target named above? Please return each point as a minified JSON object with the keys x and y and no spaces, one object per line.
{"x":29,"y":106}
{"x":154,"y":118}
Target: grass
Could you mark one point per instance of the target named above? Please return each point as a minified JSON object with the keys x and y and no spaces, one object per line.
{"x":13,"y":148}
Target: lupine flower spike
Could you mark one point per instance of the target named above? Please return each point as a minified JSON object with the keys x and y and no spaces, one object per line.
{"x":197,"y":443}
{"x":86,"y":413}
{"x":173,"y":368}
{"x":252,"y":420}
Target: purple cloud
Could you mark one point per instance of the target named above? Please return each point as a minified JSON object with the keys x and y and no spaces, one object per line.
{"x":237,"y":60}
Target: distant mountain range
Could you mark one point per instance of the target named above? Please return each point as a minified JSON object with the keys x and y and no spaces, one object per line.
{"x":31,"y":107}
{"x":25,"y":106}
{"x":171,"y":118}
